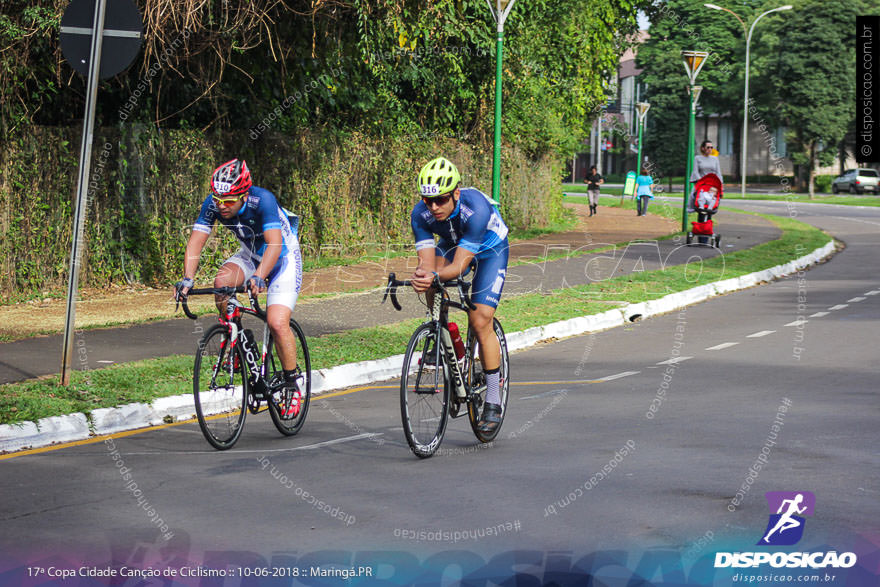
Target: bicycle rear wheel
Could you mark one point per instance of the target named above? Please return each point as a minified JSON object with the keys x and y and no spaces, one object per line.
{"x":476,"y":380}
{"x":287,"y":411}
{"x":220,"y":387}
{"x":424,"y":392}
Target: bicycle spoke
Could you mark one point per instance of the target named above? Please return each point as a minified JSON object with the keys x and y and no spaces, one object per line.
{"x":424,"y":394}
{"x":220,"y":388}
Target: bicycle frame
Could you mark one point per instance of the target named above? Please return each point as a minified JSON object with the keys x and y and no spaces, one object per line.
{"x":231,"y":319}
{"x":438,"y":314}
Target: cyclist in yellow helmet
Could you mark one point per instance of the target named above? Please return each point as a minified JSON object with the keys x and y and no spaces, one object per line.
{"x":470,"y":228}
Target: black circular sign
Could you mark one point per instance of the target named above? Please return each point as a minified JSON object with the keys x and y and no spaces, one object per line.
{"x":123,"y":35}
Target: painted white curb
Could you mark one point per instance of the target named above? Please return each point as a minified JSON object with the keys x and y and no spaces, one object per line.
{"x":72,"y":427}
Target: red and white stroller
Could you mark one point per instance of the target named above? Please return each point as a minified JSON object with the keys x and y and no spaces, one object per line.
{"x":707,"y":194}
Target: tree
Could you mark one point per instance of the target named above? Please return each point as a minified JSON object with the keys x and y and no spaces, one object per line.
{"x":398,"y":67}
{"x":688,"y":25}
{"x":808,"y":80}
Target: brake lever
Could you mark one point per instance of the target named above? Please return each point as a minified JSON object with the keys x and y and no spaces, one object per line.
{"x":388,"y":287}
{"x":465,"y":300}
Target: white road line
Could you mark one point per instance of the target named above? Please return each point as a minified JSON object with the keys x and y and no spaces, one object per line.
{"x":873,"y":292}
{"x":857,"y":220}
{"x":819,"y":314}
{"x":111,"y":362}
{"x":760,"y":334}
{"x":839,"y":307}
{"x":796,"y":323}
{"x":264,"y":451}
{"x":673,"y":361}
{"x":619,"y":375}
{"x":858,"y":299}
{"x":723,"y":345}
{"x":545,"y":394}
{"x":336,"y":441}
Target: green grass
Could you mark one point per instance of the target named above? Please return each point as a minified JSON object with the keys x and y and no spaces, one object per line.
{"x":568,"y":222}
{"x":730,"y":195}
{"x":805,"y":198}
{"x":144,"y":381}
{"x":582,"y":189}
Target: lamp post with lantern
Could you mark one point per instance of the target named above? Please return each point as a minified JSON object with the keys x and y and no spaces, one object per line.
{"x":500,"y":9}
{"x":745,"y":134}
{"x":642,"y":110}
{"x":693,"y":63}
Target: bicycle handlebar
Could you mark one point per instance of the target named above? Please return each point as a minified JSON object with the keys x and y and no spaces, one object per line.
{"x":461,"y":284}
{"x":227,"y":291}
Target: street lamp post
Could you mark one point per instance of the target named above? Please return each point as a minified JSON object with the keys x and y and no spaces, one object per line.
{"x":693,"y":63}
{"x":499,"y":12}
{"x":642,"y":109}
{"x":745,"y":132}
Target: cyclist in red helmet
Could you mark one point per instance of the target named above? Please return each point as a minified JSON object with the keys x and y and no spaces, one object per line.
{"x":269,"y":257}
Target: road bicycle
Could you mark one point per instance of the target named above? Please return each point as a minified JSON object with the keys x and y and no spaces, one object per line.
{"x":435,"y":384}
{"x":233,"y":376}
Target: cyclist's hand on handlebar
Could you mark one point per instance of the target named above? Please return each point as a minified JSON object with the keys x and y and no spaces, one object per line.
{"x":421,"y":280}
{"x":182,"y":287}
{"x":256,"y":284}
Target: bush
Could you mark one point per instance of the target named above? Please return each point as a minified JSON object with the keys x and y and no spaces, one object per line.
{"x":350,"y":190}
{"x":823,"y":183}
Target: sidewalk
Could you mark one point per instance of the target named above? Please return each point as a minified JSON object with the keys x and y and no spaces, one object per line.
{"x":320,"y":315}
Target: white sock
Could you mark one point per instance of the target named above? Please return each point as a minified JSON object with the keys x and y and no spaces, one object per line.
{"x":493,"y":389}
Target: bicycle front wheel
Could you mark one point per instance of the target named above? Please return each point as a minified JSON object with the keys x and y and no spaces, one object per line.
{"x":288,"y":407}
{"x":424,"y":392}
{"x":220,"y":386}
{"x":477,"y":382}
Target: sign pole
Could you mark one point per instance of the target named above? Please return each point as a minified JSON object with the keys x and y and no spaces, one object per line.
{"x":85,"y":159}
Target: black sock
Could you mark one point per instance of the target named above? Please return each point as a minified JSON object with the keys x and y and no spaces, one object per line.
{"x":290,"y":375}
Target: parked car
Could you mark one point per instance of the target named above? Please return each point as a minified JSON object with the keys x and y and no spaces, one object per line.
{"x":857,"y":181}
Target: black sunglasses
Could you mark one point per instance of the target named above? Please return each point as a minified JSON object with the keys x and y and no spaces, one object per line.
{"x":439,"y":200}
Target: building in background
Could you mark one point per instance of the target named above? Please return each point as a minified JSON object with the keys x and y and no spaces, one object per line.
{"x":618,"y":142}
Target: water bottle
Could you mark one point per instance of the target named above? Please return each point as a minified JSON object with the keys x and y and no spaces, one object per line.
{"x":457,"y":343}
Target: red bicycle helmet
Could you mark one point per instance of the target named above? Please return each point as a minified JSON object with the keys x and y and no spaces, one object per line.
{"x":231,"y":178}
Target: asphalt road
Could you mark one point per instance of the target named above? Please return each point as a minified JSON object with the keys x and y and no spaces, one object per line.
{"x":585,"y":472}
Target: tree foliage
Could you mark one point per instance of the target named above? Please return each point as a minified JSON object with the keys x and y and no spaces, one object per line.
{"x":806,"y":80}
{"x":382,"y":66}
{"x":679,"y":25}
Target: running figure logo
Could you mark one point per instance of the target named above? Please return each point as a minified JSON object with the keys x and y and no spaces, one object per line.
{"x":786,"y":525}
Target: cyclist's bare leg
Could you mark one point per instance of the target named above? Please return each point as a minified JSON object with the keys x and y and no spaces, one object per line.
{"x":278,"y":319}
{"x":481,"y":322}
{"x":229,"y":275}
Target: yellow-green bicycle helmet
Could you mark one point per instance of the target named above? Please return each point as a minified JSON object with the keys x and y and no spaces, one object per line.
{"x":438,"y":177}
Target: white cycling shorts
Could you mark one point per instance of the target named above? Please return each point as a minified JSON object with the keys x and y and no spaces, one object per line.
{"x":285,"y":279}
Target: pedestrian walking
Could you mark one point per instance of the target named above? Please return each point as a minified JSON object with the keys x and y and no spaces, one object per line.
{"x":594,"y":180}
{"x":644,"y":193}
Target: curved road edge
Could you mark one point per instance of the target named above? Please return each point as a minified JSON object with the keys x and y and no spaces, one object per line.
{"x":104,"y":421}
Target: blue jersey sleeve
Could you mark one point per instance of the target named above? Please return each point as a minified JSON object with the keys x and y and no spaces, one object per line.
{"x":207,"y":216}
{"x":423,"y":236}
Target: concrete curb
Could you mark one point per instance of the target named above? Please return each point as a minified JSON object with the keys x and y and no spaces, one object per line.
{"x":72,"y":427}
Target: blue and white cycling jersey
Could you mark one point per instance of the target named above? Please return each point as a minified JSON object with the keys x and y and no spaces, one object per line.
{"x":261,"y":212}
{"x":475,"y":225}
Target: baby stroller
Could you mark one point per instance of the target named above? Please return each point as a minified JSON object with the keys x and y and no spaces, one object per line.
{"x":707,"y":194}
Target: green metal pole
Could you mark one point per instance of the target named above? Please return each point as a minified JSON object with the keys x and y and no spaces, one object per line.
{"x":496,"y":160}
{"x":690,"y":160}
{"x":639,"y":160}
